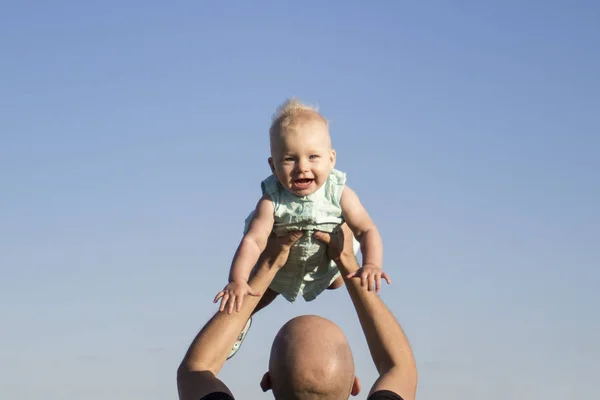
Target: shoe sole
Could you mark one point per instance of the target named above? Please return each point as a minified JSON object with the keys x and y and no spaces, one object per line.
{"x":238,"y":343}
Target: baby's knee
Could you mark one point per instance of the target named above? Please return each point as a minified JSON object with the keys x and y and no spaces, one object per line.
{"x":337,"y":283}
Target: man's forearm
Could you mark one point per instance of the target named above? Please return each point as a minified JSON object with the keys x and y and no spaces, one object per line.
{"x":387,"y":342}
{"x":209,"y":349}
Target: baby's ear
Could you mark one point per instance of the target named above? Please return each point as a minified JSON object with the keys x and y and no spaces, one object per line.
{"x":333,"y":158}
{"x":271,"y":165}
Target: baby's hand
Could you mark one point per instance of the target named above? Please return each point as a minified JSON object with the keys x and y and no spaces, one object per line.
{"x":371,"y":276}
{"x":233,"y":295}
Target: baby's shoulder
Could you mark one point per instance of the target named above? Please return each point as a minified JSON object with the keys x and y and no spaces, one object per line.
{"x":270,"y":186}
{"x":334,"y":187}
{"x":337,"y":177}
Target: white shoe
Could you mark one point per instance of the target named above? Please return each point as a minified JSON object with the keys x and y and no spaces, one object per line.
{"x":238,"y":343}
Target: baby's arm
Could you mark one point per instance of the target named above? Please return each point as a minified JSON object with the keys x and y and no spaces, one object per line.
{"x":248,"y":252}
{"x":254,"y":241}
{"x":366,"y":232}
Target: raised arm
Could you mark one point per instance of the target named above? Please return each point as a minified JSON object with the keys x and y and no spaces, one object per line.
{"x":197,"y":373}
{"x":254,"y":241}
{"x":389,"y":347}
{"x":366,"y":232}
{"x":252,"y":245}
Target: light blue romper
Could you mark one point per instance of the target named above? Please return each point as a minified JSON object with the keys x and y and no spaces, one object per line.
{"x":308,"y":271}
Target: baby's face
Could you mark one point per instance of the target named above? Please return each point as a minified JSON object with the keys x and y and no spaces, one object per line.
{"x":302,"y":158}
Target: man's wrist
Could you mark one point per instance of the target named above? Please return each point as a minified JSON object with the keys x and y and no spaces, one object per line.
{"x":272,"y":261}
{"x":266,"y":268}
{"x":347,"y":263}
{"x":276,"y":253}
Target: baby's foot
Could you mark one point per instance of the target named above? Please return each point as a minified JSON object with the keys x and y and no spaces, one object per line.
{"x":238,"y":343}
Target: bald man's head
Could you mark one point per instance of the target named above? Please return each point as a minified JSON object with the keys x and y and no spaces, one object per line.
{"x":311,"y":359}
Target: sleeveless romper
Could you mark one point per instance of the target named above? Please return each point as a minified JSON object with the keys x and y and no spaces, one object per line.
{"x":308,"y":271}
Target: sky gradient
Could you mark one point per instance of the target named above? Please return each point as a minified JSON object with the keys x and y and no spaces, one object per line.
{"x":134,"y":136}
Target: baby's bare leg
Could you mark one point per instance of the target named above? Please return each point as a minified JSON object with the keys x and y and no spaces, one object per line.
{"x":337,"y":283}
{"x":265,"y":300}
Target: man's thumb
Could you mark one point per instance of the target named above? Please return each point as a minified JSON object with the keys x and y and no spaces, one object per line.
{"x":293,"y":237}
{"x":322,"y":236}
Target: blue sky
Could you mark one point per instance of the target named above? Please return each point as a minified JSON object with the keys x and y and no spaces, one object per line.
{"x":133,"y":139}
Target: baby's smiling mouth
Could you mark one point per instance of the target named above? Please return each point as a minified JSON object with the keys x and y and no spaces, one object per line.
{"x":302,"y":183}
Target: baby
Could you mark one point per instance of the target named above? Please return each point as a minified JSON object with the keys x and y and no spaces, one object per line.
{"x":304,"y":193}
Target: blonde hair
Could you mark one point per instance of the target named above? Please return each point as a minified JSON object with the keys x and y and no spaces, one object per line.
{"x":291,"y":112}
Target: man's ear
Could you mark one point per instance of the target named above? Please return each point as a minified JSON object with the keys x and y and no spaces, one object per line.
{"x":333,"y":158}
{"x":271,"y":165}
{"x":355,"y":387}
{"x":265,"y":383}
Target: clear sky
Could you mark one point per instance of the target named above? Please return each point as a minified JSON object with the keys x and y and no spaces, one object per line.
{"x":133,"y":139}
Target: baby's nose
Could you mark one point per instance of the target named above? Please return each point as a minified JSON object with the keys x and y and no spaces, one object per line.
{"x":302,"y":165}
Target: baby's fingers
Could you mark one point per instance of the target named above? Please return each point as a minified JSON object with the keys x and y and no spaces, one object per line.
{"x":231,"y":303}
{"x":351,"y":274}
{"x":364,"y":279}
{"x":254,"y":293}
{"x":371,"y":282}
{"x":224,"y":302}
{"x":386,"y":277}
{"x":238,"y":303}
{"x":377,"y":283}
{"x":218,"y":296}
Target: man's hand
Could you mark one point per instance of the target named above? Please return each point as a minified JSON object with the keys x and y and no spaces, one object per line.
{"x":275,"y":255}
{"x":340,"y":244}
{"x":340,"y":248}
{"x":277,"y":250}
{"x":387,"y":342}
{"x":197,"y":373}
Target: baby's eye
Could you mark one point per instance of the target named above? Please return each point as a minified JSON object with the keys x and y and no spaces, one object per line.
{"x":288,"y":159}
{"x":314,"y":156}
